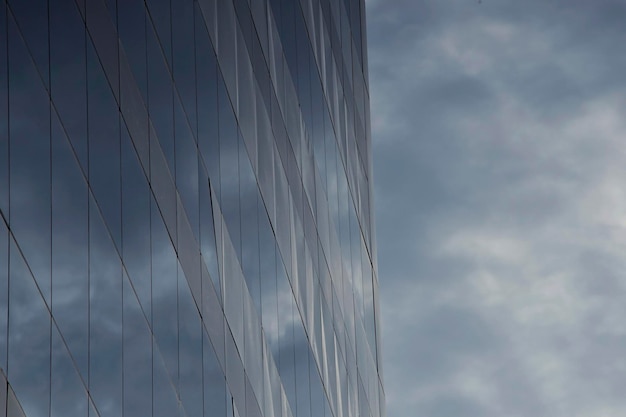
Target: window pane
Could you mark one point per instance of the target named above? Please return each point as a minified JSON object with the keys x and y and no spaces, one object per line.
{"x":136,"y":224}
{"x":68,"y":396}
{"x":29,"y":136}
{"x":190,"y":354}
{"x":137,"y":356}
{"x":70,"y":243}
{"x":214,"y":382}
{"x":164,"y":300}
{"x":104,"y":147}
{"x":28,"y":366}
{"x":4,"y":293}
{"x":105,"y":318}
{"x":68,"y":73}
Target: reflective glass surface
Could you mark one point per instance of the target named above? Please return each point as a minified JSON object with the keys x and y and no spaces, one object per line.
{"x":185,"y":220}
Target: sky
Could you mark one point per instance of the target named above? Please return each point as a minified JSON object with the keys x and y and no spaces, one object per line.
{"x":500,"y":194}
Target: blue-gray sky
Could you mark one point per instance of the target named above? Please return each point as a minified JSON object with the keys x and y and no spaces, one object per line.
{"x":500,"y":191}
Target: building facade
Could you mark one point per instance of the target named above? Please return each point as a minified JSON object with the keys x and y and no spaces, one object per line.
{"x":186,"y":219}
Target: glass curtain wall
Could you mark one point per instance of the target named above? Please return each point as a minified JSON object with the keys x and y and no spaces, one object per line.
{"x":186,"y":210}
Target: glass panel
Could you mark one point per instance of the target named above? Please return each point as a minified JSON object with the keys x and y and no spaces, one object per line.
{"x":209,"y":15}
{"x":233,"y":292}
{"x":206,"y":70}
{"x":227,"y":46}
{"x":164,"y":399}
{"x":253,"y":408}
{"x":4,"y":126}
{"x":28,"y":366}
{"x":286,"y":319}
{"x":248,"y":196}
{"x":4,"y":294}
{"x":70,"y":243}
{"x":132,"y":33}
{"x":207,"y":232}
{"x":14,"y":409}
{"x":253,"y":342}
{"x":187,"y":168}
{"x":214,"y":382}
{"x":136,"y":223}
{"x":162,"y":185}
{"x":103,"y":33}
{"x":32,"y":20}
{"x":160,"y":104}
{"x":189,"y":255}
{"x":29,"y":121}
{"x":105,"y":318}
{"x":164,"y":299}
{"x":303,"y":391}
{"x":160,"y":14}
{"x":182,"y":12}
{"x":318,"y":398}
{"x":269,"y":303}
{"x":229,"y":168}
{"x":137,"y":356}
{"x":234,"y":369}
{"x":68,"y":396}
{"x":190,"y":349}
{"x":68,"y":73}
{"x":104,"y":147}
{"x":3,"y":394}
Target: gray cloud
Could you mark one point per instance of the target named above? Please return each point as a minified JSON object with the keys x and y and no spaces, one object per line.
{"x":500,"y":197}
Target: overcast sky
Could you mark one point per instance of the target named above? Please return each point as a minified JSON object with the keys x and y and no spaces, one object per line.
{"x":499,"y":135}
